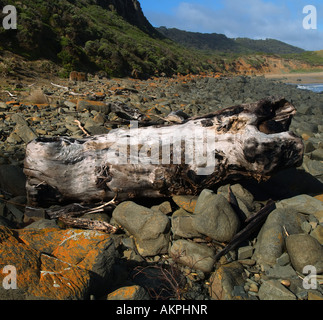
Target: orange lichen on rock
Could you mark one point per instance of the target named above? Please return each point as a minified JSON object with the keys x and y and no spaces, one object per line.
{"x":12,"y":102}
{"x":56,"y":264}
{"x":41,"y":105}
{"x":124,"y":293}
{"x":187,"y":203}
{"x":90,"y":105}
{"x":44,"y":240}
{"x":26,"y":260}
{"x":134,"y":292}
{"x":61,"y":281}
{"x":224,"y":279}
{"x":76,"y":244}
{"x":82,"y":102}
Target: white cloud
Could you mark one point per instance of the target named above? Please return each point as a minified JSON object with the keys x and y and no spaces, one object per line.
{"x":255,"y":19}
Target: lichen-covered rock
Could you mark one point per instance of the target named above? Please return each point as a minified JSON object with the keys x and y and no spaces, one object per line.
{"x":60,"y":280}
{"x":93,"y":105}
{"x":58,"y":264}
{"x":25,"y":259}
{"x":129,"y":293}
{"x":224,"y":279}
{"x":187,"y":203}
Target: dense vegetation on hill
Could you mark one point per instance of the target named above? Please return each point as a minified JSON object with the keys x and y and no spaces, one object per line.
{"x":113,"y":37}
{"x":109,"y":35}
{"x":268,"y":46}
{"x":221,"y":43}
{"x":202,"y":41}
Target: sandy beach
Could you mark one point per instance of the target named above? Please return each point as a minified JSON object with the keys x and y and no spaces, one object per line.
{"x":298,"y":78}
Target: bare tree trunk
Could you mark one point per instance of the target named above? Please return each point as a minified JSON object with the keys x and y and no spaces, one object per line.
{"x":250,"y":140}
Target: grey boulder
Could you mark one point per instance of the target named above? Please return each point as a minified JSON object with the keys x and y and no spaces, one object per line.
{"x":214,"y":217}
{"x":194,"y":255}
{"x":151,"y":229}
{"x":304,"y":250}
{"x":271,"y":238}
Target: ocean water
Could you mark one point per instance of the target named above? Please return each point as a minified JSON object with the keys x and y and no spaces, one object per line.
{"x":315,"y":87}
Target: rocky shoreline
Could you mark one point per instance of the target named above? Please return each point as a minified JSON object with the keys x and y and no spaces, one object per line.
{"x":166,"y":248}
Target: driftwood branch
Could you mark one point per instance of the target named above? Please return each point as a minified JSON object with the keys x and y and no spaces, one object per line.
{"x":10,"y":94}
{"x":250,"y":140}
{"x":70,"y":216}
{"x":235,"y":206}
{"x":88,"y":224}
{"x":80,"y":126}
{"x":59,"y":86}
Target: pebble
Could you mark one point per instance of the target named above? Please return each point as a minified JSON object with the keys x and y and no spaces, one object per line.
{"x":281,"y":272}
{"x":285,"y":283}
{"x":245,"y":252}
{"x":257,"y":277}
{"x":247,"y":262}
{"x":306,"y":227}
{"x":283,"y":260}
{"x":253,"y":288}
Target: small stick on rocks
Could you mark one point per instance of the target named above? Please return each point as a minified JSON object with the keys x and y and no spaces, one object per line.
{"x":80,"y":126}
{"x":286,"y":233}
{"x":59,"y":86}
{"x":88,"y":224}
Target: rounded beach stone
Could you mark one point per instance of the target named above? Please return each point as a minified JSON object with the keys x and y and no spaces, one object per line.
{"x":151,"y":229}
{"x":305,"y":250}
{"x":193,"y":255}
{"x":214,"y":217}
{"x":270,"y":240}
{"x":182,"y":224}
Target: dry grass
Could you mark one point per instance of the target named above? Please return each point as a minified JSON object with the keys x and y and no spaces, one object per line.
{"x":172,"y":281}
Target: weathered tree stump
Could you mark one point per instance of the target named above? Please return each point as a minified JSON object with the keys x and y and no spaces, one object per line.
{"x":249,"y":140}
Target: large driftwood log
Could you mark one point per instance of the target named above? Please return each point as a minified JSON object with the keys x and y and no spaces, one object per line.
{"x":250,"y":140}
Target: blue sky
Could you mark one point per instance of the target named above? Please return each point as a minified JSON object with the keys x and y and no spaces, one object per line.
{"x":256,"y":19}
